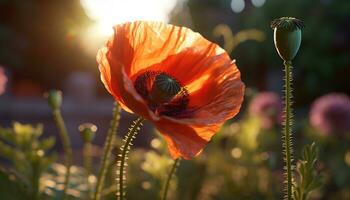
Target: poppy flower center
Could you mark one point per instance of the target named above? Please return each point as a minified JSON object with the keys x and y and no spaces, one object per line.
{"x":164,"y":88}
{"x":162,"y":92}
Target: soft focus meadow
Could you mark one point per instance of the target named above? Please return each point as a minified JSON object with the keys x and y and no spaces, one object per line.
{"x":59,"y":84}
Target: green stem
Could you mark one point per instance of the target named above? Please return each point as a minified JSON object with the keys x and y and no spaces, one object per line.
{"x":287,"y":138}
{"x":107,"y":149}
{"x":172,"y":171}
{"x":68,"y":157}
{"x":133,"y":130}
{"x":87,"y":157}
{"x":35,"y":180}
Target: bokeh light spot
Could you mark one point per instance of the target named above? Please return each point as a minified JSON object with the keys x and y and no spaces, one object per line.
{"x":237,"y":5}
{"x":156,"y":143}
{"x":258,"y":3}
{"x":146,"y":185}
{"x":347,"y":158}
{"x":107,"y":13}
{"x":236,"y":152}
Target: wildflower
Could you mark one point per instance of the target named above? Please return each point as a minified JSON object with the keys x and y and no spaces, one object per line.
{"x":3,"y":80}
{"x":267,"y":106}
{"x":330,"y":114}
{"x":185,"y":85}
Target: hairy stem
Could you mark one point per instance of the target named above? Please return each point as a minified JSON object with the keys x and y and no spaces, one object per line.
{"x":107,"y":149}
{"x":133,"y":130}
{"x":287,"y":138}
{"x":170,"y":175}
{"x":68,"y":157}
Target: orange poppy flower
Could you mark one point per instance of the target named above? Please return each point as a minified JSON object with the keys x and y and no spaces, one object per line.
{"x":184,"y":84}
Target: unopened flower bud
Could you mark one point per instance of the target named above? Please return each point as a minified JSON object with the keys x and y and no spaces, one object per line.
{"x":54,"y":99}
{"x":287,"y":36}
{"x":88,"y":131}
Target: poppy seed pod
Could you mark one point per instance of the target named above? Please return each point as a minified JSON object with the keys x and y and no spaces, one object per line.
{"x":54,"y":99}
{"x":87,"y":131}
{"x":164,"y":88}
{"x":287,"y":36}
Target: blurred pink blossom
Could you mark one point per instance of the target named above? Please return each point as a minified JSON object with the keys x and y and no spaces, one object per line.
{"x":267,"y":106}
{"x":3,"y":80}
{"x":330,"y":114}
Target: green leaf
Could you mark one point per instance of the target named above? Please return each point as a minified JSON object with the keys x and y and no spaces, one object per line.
{"x":47,"y":143}
{"x":28,"y":157}
{"x":7,"y":135}
{"x":11,"y":187}
{"x":307,"y":179}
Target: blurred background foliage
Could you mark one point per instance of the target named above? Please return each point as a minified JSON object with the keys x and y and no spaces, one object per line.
{"x":242,"y":162}
{"x":43,"y":42}
{"x":323,"y":62}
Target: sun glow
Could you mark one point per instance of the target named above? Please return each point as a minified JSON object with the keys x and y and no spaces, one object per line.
{"x":107,"y":13}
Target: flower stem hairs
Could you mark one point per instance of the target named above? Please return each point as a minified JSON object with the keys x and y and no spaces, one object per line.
{"x":287,"y":38}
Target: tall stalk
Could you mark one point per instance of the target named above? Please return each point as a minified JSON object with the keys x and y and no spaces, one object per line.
{"x":68,"y":157}
{"x":170,"y":175}
{"x":108,"y":146}
{"x":287,"y":39}
{"x":87,"y":157}
{"x":122,"y":163}
{"x":287,"y":131}
{"x":87,"y":162}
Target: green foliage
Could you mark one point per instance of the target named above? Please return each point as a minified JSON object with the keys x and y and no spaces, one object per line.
{"x":11,"y":188}
{"x":215,"y":174}
{"x":324,"y":53}
{"x":169,"y":178}
{"x":28,"y":157}
{"x":308,"y":179}
{"x":78,"y":187}
{"x":156,"y":165}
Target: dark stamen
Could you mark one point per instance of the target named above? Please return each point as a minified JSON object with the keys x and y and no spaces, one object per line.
{"x":288,"y":23}
{"x":164,"y":88}
{"x":163,"y":93}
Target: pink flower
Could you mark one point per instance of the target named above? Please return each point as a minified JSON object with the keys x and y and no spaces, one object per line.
{"x":267,"y":106}
{"x":3,"y":80}
{"x":330,"y":114}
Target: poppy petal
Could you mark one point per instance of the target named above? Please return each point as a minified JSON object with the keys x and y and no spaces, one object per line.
{"x":211,"y":78}
{"x":217,"y":92}
{"x":185,"y":141}
{"x":120,"y":86}
{"x":219,"y":98}
{"x":204,"y":68}
{"x":141,"y":45}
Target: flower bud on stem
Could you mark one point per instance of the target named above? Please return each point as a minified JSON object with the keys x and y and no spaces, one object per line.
{"x":54,"y":99}
{"x":87,"y":133}
{"x":287,"y":38}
